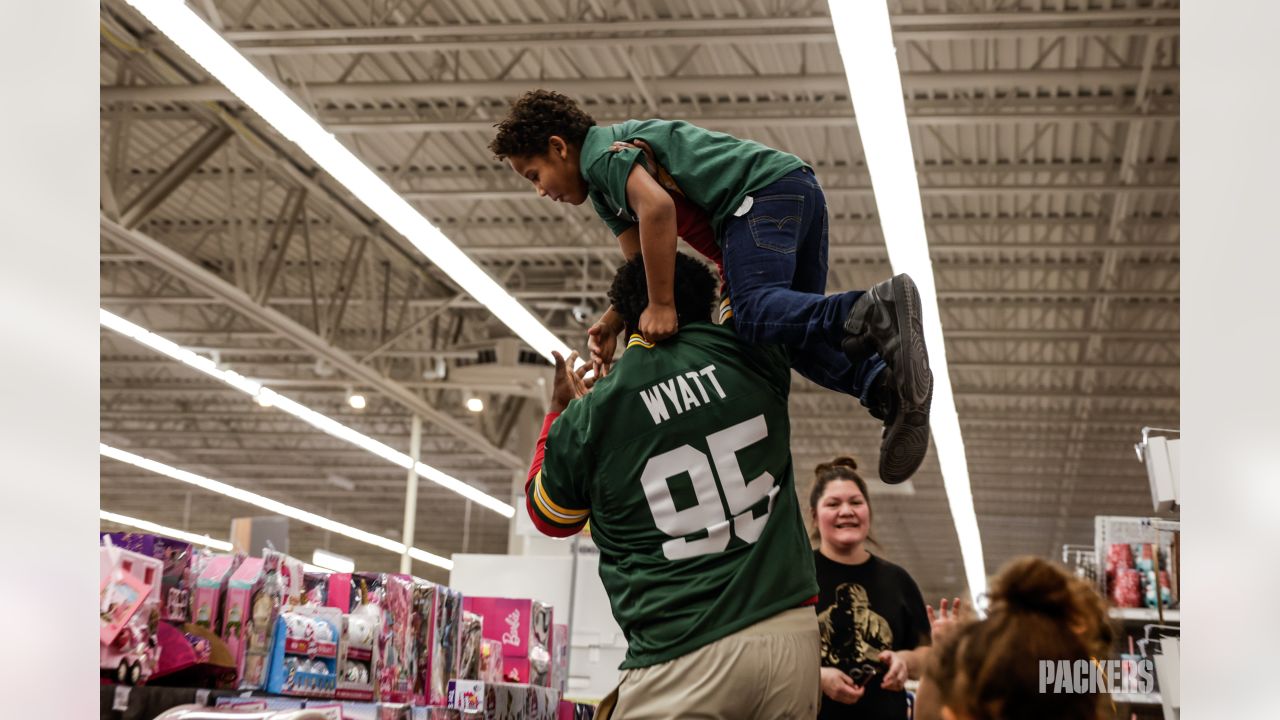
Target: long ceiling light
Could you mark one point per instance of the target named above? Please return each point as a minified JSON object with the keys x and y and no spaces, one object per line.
{"x":269,"y":398}
{"x":274,"y":506}
{"x":222,"y":60}
{"x":865,"y":40}
{"x":175,"y":533}
{"x":155,"y":529}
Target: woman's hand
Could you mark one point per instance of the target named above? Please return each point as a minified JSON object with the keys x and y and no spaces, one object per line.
{"x":839,"y":687}
{"x":943,"y":622}
{"x":896,"y":677}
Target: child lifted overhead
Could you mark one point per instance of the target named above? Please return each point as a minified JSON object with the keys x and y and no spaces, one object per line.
{"x":760,"y":214}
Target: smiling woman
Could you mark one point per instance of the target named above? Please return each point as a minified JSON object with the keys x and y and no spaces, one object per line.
{"x":874,"y":625}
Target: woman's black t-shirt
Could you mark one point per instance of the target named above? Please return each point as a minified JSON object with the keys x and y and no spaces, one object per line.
{"x":864,"y":610}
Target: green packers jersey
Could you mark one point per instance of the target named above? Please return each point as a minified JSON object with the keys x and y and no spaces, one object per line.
{"x":680,"y":459}
{"x":713,"y":170}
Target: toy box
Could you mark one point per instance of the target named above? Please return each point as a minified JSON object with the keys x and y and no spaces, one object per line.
{"x":397,"y":654}
{"x":469,"y":646}
{"x":357,"y":653}
{"x":211,"y":586}
{"x":347,"y":591}
{"x":560,"y":657}
{"x":503,"y":701}
{"x":281,"y":587}
{"x":490,"y":660}
{"x":576,"y":711}
{"x":437,"y":613}
{"x":315,"y":588}
{"x":304,"y":655}
{"x":244,"y":584}
{"x":524,"y":628}
{"x":129,"y":614}
{"x":175,"y":556}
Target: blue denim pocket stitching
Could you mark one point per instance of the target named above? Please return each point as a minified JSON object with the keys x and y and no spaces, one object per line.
{"x":754,"y":219}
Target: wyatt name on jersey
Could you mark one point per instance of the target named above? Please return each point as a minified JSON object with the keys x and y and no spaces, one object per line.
{"x":678,"y":393}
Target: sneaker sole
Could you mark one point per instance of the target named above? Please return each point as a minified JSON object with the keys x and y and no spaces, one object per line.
{"x":906,"y":440}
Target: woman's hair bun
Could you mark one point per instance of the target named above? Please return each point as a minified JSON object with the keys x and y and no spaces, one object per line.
{"x":1032,"y":584}
{"x":844,"y":461}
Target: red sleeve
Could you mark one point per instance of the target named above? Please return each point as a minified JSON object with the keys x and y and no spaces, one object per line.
{"x":540,"y":449}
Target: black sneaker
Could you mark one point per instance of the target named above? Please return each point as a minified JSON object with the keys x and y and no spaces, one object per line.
{"x":886,"y":320}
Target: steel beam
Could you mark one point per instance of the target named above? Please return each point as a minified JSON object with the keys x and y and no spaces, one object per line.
{"x":718,"y":122}
{"x":700,"y":86}
{"x":202,"y":280}
{"x":865,"y":191}
{"x":171,"y":179}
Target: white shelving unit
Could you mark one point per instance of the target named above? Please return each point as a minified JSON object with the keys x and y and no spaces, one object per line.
{"x":1144,"y":615}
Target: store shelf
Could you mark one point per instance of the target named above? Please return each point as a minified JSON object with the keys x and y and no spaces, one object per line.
{"x":1136,"y":698}
{"x":1144,"y":615}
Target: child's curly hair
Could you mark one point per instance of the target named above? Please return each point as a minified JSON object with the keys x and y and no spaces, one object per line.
{"x":534,"y":118}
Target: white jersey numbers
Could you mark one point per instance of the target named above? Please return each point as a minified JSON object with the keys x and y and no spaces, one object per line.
{"x":708,"y":515}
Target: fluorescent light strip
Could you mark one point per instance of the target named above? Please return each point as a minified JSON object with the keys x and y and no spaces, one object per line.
{"x":332,"y":561}
{"x":270,"y":505}
{"x":174,"y":533}
{"x":177,"y":534}
{"x":866,"y":45}
{"x":268,"y":397}
{"x":242,"y":78}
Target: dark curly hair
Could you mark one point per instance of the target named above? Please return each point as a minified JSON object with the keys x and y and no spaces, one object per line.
{"x":534,"y":118}
{"x":695,"y":290}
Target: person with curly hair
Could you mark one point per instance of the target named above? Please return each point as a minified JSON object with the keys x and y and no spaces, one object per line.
{"x":680,"y":459}
{"x":761,"y":215}
{"x":990,"y":668}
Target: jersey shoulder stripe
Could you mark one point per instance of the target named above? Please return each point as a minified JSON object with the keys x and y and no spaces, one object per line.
{"x":552,"y":510}
{"x":638,"y":340}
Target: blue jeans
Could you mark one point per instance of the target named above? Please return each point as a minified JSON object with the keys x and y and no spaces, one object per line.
{"x":775,"y":262}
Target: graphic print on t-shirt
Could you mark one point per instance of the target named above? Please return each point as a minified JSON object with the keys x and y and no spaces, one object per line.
{"x":852,"y":633}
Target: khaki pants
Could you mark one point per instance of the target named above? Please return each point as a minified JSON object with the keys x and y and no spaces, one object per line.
{"x":769,"y":671}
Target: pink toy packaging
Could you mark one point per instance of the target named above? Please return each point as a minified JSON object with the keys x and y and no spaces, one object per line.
{"x":437,"y":619}
{"x":244,"y":584}
{"x":210,"y":588}
{"x":560,"y":657}
{"x":176,"y":555}
{"x":397,"y":655}
{"x":490,"y":660}
{"x":129,"y":614}
{"x":524,"y":628}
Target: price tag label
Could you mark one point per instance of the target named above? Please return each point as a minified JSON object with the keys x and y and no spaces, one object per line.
{"x":121,"y":701}
{"x":202,"y":696}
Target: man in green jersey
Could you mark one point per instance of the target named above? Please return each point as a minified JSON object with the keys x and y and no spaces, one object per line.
{"x":761,"y":215}
{"x":680,"y":459}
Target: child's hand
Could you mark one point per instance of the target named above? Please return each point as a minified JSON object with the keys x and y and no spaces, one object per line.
{"x":658,"y":322}
{"x":602,"y":342}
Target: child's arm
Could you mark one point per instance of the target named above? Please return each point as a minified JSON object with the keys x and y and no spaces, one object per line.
{"x":656,"y":212}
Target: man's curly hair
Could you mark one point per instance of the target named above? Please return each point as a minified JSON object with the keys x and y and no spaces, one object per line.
{"x":534,"y":118}
{"x":695,"y":291}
